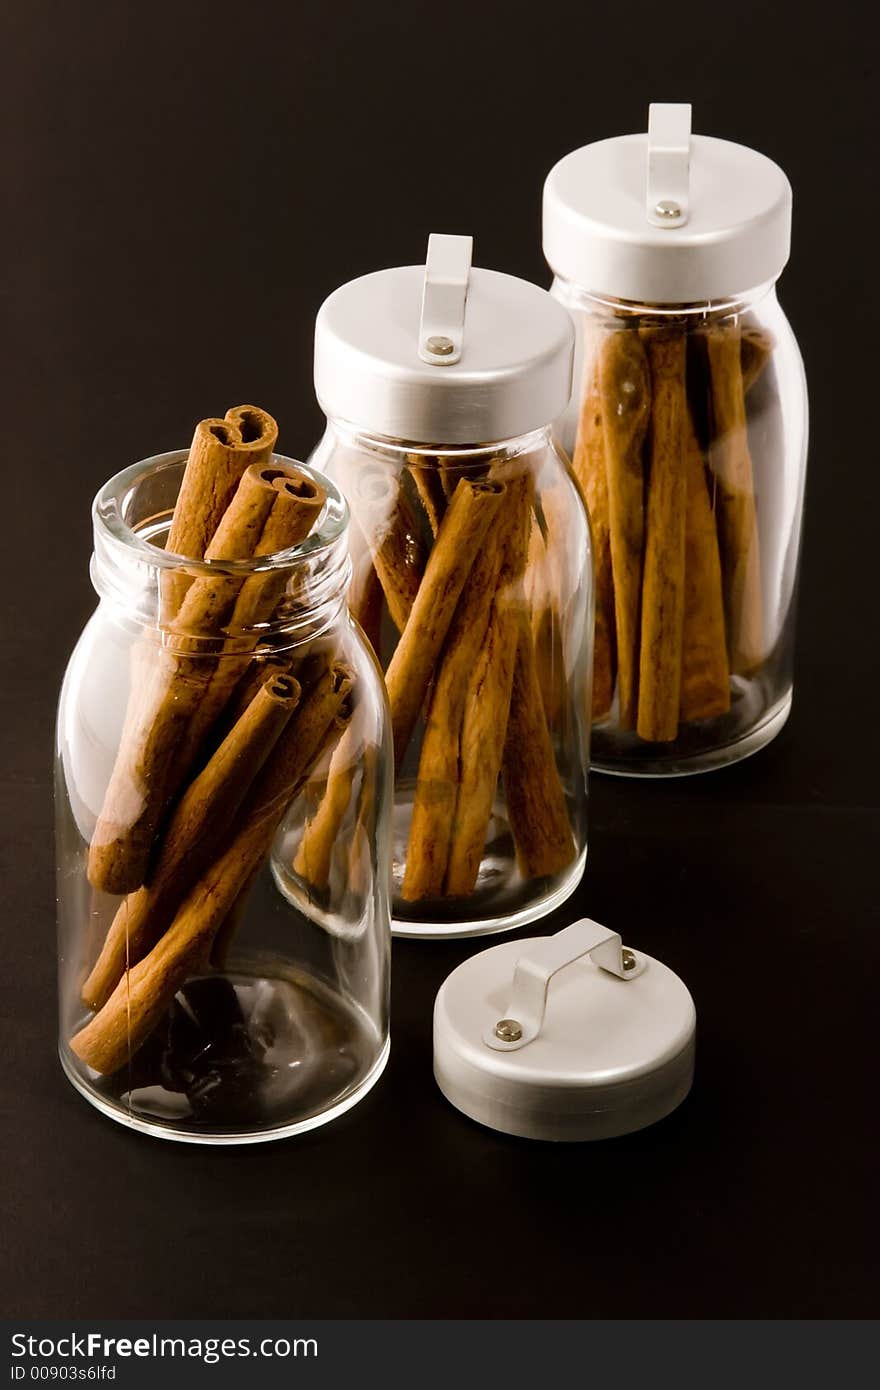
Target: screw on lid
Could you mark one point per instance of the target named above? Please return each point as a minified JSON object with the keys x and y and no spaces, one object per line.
{"x":667,"y":217}
{"x":571,"y":1036}
{"x":444,"y":353}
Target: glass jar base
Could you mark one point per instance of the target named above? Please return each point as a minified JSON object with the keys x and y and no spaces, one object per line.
{"x":296,"y":1056}
{"x":650,"y":763}
{"x":563,"y":887}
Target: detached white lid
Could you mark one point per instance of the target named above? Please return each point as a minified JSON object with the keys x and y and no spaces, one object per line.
{"x":443,"y":353}
{"x":569,"y":1036}
{"x":667,"y":217}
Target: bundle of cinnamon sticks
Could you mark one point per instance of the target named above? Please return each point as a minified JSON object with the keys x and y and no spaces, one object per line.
{"x":218,"y":739}
{"x":663,"y":462}
{"x":447,"y":548}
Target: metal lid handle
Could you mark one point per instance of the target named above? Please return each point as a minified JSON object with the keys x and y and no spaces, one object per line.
{"x":669,"y":158}
{"x":533,"y":973}
{"x":444,"y":298}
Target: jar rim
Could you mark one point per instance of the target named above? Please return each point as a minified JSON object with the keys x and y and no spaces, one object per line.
{"x":720,"y":304}
{"x":465,"y":453}
{"x":109,"y":522}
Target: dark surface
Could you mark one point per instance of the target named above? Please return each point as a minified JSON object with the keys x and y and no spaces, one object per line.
{"x":185,"y":183}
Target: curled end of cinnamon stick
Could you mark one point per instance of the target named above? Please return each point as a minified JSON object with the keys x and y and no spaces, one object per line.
{"x":299,"y":503}
{"x":257,"y":431}
{"x":342,"y":682}
{"x":282,"y":687}
{"x":297,"y":485}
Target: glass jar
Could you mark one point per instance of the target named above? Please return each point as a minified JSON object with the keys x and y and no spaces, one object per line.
{"x":687,"y":433}
{"x":231,"y":983}
{"x":471,"y":577}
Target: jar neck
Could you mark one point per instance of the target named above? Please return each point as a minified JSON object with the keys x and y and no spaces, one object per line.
{"x":408,"y":452}
{"x":302,"y":590}
{"x":591,"y":301}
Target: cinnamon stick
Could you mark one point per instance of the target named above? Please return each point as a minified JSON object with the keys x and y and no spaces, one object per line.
{"x":546,"y":582}
{"x":756,"y":349}
{"x":219,"y":454}
{"x":705,"y":676}
{"x":202,"y":816}
{"x":487,"y":700}
{"x":626,"y":397}
{"x":141,"y":998}
{"x":210,"y":601}
{"x":464,"y":527}
{"x":549,"y":665}
{"x":365,"y":590}
{"x":143,"y":777}
{"x":266,"y":661}
{"x":663,"y":572}
{"x":731,"y":464}
{"x":590,"y":471}
{"x":388,"y":522}
{"x":321,"y":832}
{"x":536,"y":806}
{"x":297,"y":506}
{"x":148,"y":769}
{"x":425,"y":472}
{"x":437,"y":786}
{"x":534,"y":797}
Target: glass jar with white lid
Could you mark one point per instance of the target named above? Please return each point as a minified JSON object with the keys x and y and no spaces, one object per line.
{"x":687,"y":433}
{"x":472,"y":578}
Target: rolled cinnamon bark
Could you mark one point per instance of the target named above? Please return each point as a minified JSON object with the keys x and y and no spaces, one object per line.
{"x":533,"y":791}
{"x":219,"y":454}
{"x":437,"y":786}
{"x":200,"y":819}
{"x":705,"y":676}
{"x":388,"y":522}
{"x":364,"y":591}
{"x":756,"y":349}
{"x":590,"y":471}
{"x":464,"y":527}
{"x":144,"y":774}
{"x":426,"y":473}
{"x":626,"y":399}
{"x":487,"y":699}
{"x":149,"y":765}
{"x":338,"y":737}
{"x":731,"y":463}
{"x":663,"y":569}
{"x":548,"y":578}
{"x":265,"y":662}
{"x":548,"y":655}
{"x":321,"y":833}
{"x":140,"y":999}
{"x":298,"y":503}
{"x":211,"y":599}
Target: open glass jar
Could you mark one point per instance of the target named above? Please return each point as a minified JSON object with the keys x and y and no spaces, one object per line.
{"x":471,"y":578}
{"x":223,"y":821}
{"x":688,"y":436}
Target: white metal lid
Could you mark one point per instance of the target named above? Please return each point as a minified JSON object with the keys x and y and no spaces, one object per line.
{"x":570,"y":1036}
{"x":667,"y":217}
{"x":443,"y":353}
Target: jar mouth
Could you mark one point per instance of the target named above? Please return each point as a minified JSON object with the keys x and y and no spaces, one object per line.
{"x":452,"y":454}
{"x":115,"y":519}
{"x":707,"y":308}
{"x":130,"y":567}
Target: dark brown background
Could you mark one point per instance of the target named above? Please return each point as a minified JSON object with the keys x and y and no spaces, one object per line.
{"x":185,"y":183}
